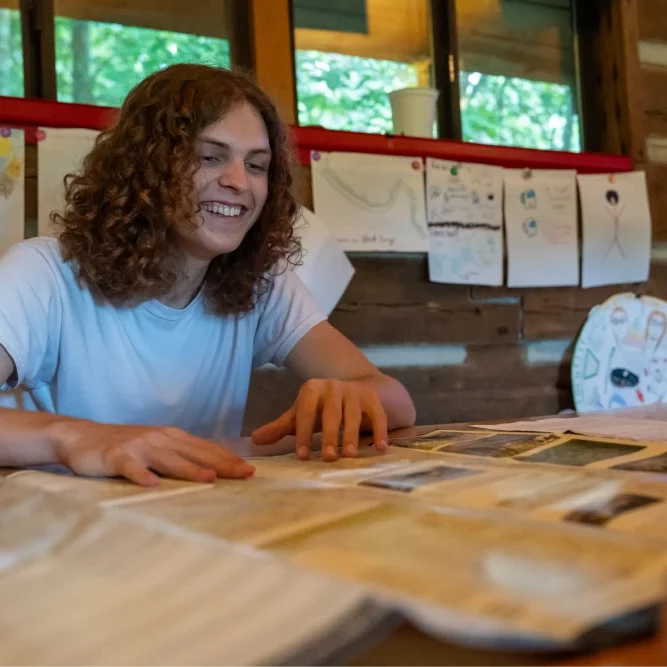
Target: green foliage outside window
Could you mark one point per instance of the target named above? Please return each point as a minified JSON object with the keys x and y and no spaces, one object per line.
{"x":98,"y":63}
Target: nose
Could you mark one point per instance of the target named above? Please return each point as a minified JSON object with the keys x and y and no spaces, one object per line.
{"x":234,"y":175}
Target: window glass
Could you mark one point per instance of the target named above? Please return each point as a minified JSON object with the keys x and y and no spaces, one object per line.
{"x":518,"y":73}
{"x":11,"y":50}
{"x":100,"y":56}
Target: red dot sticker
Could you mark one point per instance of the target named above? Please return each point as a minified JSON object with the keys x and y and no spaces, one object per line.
{"x":416,"y":165}
{"x":40,"y":135}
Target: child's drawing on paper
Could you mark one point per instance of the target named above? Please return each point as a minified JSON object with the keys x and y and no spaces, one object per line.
{"x":529,"y":198}
{"x":620,"y":359}
{"x":465,"y":253}
{"x":616,"y":225}
{"x":615,"y":210}
{"x":12,"y":160}
{"x":371,"y":202}
{"x":541,"y":226}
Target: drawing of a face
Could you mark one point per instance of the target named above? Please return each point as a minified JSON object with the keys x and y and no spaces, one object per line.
{"x":529,"y":227}
{"x":656,"y":382}
{"x":656,"y":325}
{"x":619,"y":324}
{"x":528,"y":198}
{"x":612,"y":197}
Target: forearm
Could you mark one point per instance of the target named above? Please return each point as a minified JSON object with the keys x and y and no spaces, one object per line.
{"x":28,"y":438}
{"x":395,"y":400}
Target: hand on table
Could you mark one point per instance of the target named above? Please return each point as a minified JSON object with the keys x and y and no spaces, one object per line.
{"x":138,"y":452}
{"x":328,"y":405}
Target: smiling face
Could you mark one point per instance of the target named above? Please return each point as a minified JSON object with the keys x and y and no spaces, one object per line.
{"x":231,"y":184}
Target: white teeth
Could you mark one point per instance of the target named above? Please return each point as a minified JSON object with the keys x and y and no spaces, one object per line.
{"x":223,"y":209}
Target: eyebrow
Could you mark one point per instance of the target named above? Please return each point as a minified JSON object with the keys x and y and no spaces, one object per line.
{"x":222,"y":144}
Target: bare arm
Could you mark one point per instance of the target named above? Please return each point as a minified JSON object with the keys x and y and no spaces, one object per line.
{"x":88,"y":448}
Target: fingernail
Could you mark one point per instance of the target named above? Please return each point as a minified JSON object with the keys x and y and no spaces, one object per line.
{"x":302,"y":452}
{"x":330,"y":451}
{"x":382,"y":445}
{"x":350,"y":449}
{"x":243,"y":469}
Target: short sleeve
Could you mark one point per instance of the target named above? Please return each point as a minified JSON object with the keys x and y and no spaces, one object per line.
{"x":287,"y":312}
{"x":30,"y":314}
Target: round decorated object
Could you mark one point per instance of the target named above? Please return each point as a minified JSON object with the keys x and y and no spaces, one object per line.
{"x":620,"y":358}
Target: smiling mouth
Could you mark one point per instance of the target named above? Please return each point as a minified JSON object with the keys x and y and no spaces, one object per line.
{"x":223,"y":210}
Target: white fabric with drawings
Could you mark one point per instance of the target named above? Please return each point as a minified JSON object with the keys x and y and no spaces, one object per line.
{"x":620,"y":359}
{"x":371,"y":202}
{"x":616,"y":223}
{"x":465,"y":223}
{"x":541,"y":224}
{"x":12,"y":178}
{"x":59,"y":152}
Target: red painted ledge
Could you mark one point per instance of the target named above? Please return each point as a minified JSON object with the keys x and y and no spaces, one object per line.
{"x":30,"y":114}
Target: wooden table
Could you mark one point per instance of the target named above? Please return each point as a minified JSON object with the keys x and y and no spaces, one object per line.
{"x":409,"y":646}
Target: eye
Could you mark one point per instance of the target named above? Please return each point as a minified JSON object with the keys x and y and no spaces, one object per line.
{"x":256,"y":168}
{"x":210,"y":160}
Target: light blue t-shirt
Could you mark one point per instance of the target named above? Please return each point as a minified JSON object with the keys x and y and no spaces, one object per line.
{"x":148,"y":364}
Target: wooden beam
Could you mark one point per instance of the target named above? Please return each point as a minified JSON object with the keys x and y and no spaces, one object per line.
{"x":610,"y":81}
{"x":273,"y":53}
{"x":652,"y":17}
{"x":206,"y":18}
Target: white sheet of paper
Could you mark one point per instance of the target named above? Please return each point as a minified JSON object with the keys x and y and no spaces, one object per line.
{"x":465,"y":218}
{"x":12,"y":189}
{"x":326,"y":271}
{"x":541,"y":227}
{"x":622,"y":428}
{"x":60,"y":151}
{"x":371,"y":202}
{"x":616,"y":224}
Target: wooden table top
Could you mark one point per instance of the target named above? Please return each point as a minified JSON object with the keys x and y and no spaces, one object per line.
{"x":409,"y":646}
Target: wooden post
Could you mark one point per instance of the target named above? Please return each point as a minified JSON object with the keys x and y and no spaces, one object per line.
{"x":273,"y":53}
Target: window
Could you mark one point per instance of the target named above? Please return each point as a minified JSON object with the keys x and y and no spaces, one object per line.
{"x":11,"y":50}
{"x":104,"y":48}
{"x":351,"y":53}
{"x":517,"y":79}
{"x":517,"y":73}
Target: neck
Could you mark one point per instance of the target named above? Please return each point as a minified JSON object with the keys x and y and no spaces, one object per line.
{"x":188,"y":284}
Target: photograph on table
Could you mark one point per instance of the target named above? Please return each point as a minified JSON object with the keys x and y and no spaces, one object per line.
{"x":601,"y":512}
{"x":655,"y":464}
{"x":503,"y":445}
{"x":435,"y":439}
{"x":579,"y":452}
{"x":409,"y":481}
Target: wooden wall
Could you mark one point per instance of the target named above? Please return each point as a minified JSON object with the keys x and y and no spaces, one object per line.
{"x":652,"y":50}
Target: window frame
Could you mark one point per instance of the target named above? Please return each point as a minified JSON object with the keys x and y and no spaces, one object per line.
{"x":39,"y":49}
{"x":446,"y":70}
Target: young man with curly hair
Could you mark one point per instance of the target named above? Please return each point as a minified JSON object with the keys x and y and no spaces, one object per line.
{"x":128,"y":342}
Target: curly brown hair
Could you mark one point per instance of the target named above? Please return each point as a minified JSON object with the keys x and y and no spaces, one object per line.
{"x":136,"y":185}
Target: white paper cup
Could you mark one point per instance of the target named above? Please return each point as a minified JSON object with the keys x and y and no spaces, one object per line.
{"x":413,"y":111}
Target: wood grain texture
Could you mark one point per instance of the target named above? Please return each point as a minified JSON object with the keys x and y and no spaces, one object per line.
{"x":652,"y":20}
{"x":656,"y":182}
{"x":653,"y":81}
{"x":273,"y":53}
